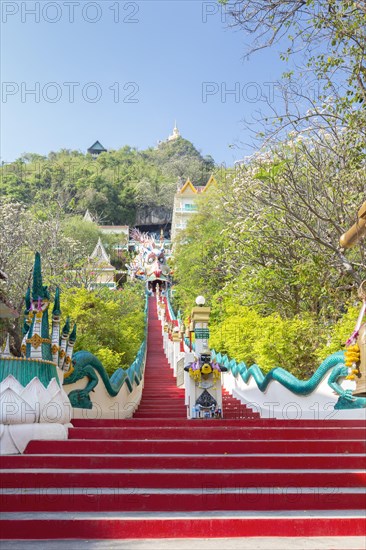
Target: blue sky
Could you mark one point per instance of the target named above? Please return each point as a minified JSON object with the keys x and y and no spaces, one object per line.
{"x":122,"y":72}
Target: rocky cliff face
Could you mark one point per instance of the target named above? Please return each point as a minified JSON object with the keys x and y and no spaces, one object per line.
{"x":153,"y":216}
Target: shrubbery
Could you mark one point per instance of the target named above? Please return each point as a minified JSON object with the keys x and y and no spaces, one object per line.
{"x":110,"y":323}
{"x":298,"y":345}
{"x":269,"y":341}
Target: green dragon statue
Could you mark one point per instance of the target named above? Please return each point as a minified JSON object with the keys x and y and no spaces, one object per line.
{"x":86,"y":365}
{"x":335,"y":363}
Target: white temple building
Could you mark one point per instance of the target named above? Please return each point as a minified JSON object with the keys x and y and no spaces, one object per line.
{"x":176,"y":134}
{"x":185,"y":204}
{"x":102,"y":271}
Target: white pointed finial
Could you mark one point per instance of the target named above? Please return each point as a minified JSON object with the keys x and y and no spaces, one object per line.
{"x":175,"y":134}
{"x":6,"y":352}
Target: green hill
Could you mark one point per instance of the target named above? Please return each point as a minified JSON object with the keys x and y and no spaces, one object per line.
{"x":113,"y":186}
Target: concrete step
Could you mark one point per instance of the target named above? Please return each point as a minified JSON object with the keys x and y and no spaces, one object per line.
{"x":212,"y":543}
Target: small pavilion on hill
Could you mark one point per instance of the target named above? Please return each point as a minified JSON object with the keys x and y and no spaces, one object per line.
{"x":96,"y":149}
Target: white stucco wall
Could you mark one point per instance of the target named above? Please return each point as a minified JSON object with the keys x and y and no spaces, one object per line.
{"x":121,"y":406}
{"x":279,"y":402}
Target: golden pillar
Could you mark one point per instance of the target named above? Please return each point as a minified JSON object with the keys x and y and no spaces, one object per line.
{"x":347,"y":240}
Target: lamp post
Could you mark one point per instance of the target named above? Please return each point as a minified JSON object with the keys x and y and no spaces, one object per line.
{"x":199,"y":325}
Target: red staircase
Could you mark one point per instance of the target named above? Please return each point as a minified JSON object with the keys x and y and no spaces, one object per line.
{"x":160,"y":475}
{"x":161,"y":398}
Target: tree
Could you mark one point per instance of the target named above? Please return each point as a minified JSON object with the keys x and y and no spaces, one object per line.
{"x":330,"y":34}
{"x":84,"y":232}
{"x":110,"y":323}
{"x":326,"y":41}
{"x":273,"y":254}
{"x":179,"y":159}
{"x":116,"y":186}
{"x":287,"y":209}
{"x":22,"y":233}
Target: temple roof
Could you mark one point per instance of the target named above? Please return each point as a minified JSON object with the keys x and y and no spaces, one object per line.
{"x":88,"y":217}
{"x":97,"y":147}
{"x":100,"y":256}
{"x":175,"y":134}
{"x":28,"y":301}
{"x":209,"y":183}
{"x":188,"y":186}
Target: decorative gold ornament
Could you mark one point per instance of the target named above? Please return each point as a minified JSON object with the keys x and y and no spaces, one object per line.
{"x":206,"y":368}
{"x":352,"y":357}
{"x":62,"y":353}
{"x":35,"y":341}
{"x":67,"y":373}
{"x":55,"y":348}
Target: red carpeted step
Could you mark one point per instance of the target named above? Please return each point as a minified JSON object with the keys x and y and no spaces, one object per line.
{"x":151,"y":407}
{"x":193,"y":446}
{"x":205,"y":499}
{"x":165,"y":479}
{"x":266,"y":422}
{"x":158,"y":417}
{"x":126,"y":526}
{"x":212,"y":432}
{"x":265,"y":461}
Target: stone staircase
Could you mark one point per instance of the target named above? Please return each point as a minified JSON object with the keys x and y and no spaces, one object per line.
{"x":160,"y":475}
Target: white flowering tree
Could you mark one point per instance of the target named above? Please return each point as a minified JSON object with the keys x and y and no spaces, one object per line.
{"x":22,"y":233}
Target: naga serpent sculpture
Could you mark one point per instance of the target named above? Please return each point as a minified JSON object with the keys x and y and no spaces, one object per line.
{"x":86,"y":365}
{"x":334,"y":363}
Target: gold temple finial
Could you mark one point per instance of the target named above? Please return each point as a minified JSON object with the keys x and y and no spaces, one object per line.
{"x":357,"y":231}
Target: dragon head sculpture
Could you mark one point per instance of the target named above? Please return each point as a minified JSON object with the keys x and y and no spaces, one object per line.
{"x":150,"y":263}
